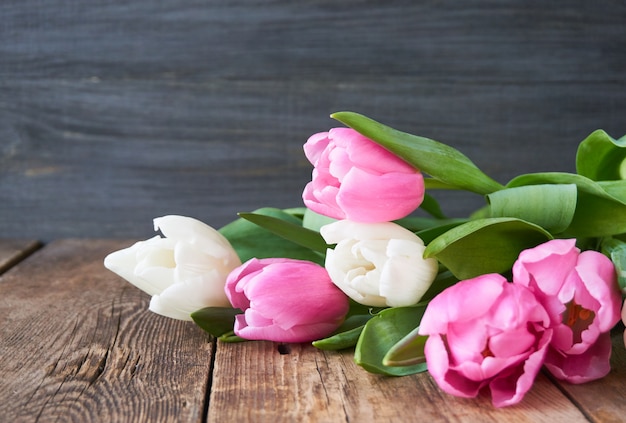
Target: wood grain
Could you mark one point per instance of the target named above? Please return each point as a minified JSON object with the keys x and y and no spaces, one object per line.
{"x":256,"y":382}
{"x":12,"y":251}
{"x":112,"y":114}
{"x":77,"y":344}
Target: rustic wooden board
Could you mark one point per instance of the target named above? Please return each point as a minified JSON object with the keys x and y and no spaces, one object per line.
{"x":255,"y":382}
{"x":77,"y":344}
{"x":114,"y":113}
{"x":12,"y":251}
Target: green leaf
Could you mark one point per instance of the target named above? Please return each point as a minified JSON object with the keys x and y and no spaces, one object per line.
{"x":428,"y":234}
{"x":340,"y":341}
{"x":432,"y":207}
{"x":289,"y":231}
{"x":216,"y":320}
{"x":315,"y":221}
{"x":381,"y":333}
{"x":601,"y":158}
{"x":616,"y":251}
{"x":551,"y":206}
{"x":230,"y":337}
{"x":251,"y":240}
{"x":408,"y":351}
{"x":432,"y":183}
{"x":346,"y":336}
{"x":600,"y":207}
{"x":485,"y":246}
{"x":439,"y":160}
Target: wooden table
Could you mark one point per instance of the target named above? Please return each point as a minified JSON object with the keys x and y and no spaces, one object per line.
{"x":78,"y":344}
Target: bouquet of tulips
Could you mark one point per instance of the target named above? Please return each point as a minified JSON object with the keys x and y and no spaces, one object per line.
{"x":534,"y":278}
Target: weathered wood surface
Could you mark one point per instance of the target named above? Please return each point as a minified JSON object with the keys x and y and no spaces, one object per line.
{"x":12,"y":251}
{"x":112,"y":113}
{"x":77,"y":344}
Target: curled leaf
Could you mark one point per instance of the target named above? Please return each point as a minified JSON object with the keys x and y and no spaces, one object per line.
{"x":600,"y":206}
{"x":485,"y":245}
{"x":381,"y":333}
{"x":409,"y":351}
{"x":551,"y":206}
{"x":601,"y":157}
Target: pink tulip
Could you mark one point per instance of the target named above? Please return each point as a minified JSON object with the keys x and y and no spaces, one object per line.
{"x":356,"y":179}
{"x":486,"y":332}
{"x":285,"y":300}
{"x":581,"y":293}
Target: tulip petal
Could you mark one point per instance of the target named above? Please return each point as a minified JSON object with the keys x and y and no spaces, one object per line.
{"x":592,"y":364}
{"x":315,"y":146}
{"x":123,"y":263}
{"x":388,"y":197}
{"x":366,"y":154}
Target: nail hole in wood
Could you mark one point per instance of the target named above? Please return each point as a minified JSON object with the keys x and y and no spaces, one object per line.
{"x":283,"y":349}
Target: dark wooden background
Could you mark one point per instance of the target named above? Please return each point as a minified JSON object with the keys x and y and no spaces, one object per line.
{"x":112,"y":113}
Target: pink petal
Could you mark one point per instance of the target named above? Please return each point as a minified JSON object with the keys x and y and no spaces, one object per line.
{"x":438,"y":366}
{"x":366,"y":154}
{"x":366,"y":197}
{"x":547,"y":264}
{"x":598,"y":274}
{"x":315,"y":146}
{"x":592,"y":364}
{"x":458,"y":303}
{"x":322,"y":201}
{"x":509,"y":389}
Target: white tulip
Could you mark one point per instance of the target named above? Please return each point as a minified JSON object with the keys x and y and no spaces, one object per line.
{"x":378,"y":264}
{"x":184,"y":271}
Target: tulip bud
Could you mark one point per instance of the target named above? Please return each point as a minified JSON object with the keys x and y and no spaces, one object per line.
{"x":378,"y":264}
{"x":184,"y":271}
{"x":285,"y":300}
{"x":356,"y":179}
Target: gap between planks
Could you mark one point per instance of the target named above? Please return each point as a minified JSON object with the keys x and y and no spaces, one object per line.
{"x":12,"y":251}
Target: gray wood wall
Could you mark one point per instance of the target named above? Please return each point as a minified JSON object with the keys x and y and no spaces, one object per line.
{"x":112,"y":113}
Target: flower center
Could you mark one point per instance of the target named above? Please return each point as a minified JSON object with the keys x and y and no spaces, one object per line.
{"x":578,"y":318}
{"x":487,"y":352}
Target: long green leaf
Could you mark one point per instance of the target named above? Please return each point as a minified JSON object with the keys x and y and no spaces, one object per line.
{"x":290,"y":231}
{"x":551,"y":206}
{"x":438,"y":160}
{"x":485,"y":246}
{"x":346,"y":336}
{"x":251,"y":240}
{"x":381,"y":333}
{"x":601,"y":157}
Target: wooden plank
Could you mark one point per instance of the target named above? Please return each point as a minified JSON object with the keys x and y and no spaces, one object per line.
{"x":12,"y":251}
{"x":254,"y":381}
{"x":603,"y":400}
{"x":78,"y":344}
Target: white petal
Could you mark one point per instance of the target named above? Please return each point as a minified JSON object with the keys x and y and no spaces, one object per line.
{"x":181,"y":299}
{"x":335,"y":232}
{"x":195,"y":232}
{"x":124,"y":263}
